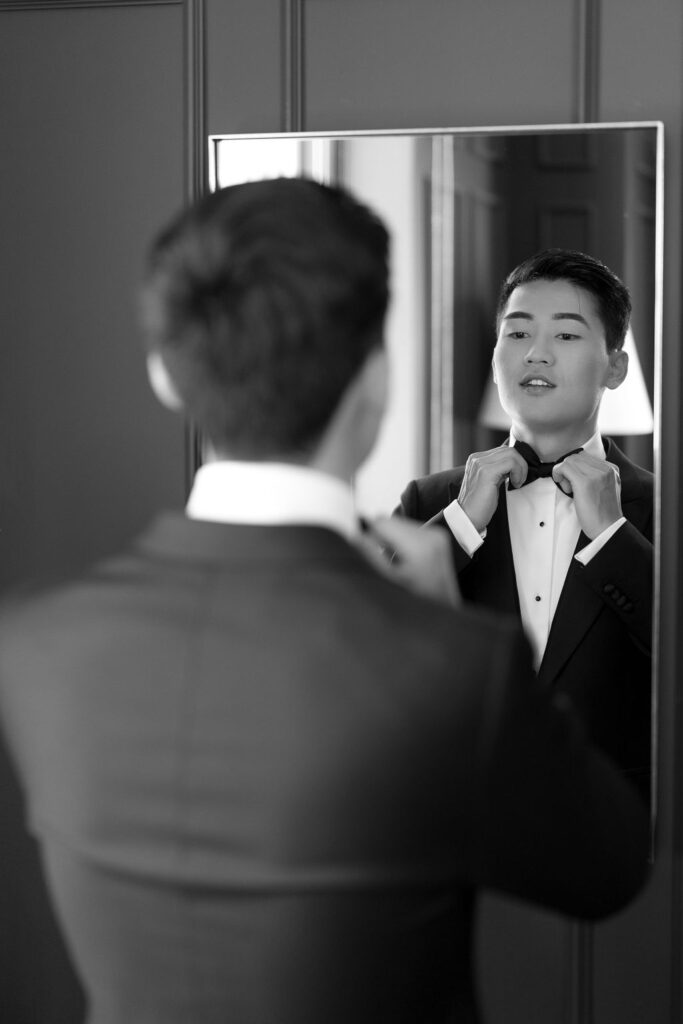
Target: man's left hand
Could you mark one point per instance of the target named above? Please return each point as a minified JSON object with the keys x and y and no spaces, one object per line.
{"x":596,"y":488}
{"x":417,"y":557}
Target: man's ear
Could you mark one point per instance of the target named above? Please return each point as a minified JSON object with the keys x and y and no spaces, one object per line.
{"x":618,"y":368}
{"x":350,"y":435}
{"x":161,"y":383}
{"x":361,"y":411}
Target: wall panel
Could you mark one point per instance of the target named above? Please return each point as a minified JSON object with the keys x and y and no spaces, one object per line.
{"x":245,"y":65}
{"x":92,"y":163}
{"x":92,"y":124}
{"x":399,"y":64}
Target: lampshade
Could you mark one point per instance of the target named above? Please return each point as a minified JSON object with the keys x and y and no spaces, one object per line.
{"x":625,"y":411}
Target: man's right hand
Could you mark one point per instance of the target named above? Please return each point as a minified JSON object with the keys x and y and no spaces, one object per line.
{"x":484,"y":473}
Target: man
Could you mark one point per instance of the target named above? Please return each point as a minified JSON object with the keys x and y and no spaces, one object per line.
{"x":567,"y":546}
{"x":267,"y":779}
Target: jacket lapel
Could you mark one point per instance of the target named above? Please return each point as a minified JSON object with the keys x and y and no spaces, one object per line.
{"x":492,"y":577}
{"x":576,"y":611}
{"x":579,"y":606}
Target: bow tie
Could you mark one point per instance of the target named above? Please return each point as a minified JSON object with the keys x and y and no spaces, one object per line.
{"x":539,"y":470}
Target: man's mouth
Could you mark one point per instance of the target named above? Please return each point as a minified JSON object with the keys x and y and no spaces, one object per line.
{"x":535,"y":382}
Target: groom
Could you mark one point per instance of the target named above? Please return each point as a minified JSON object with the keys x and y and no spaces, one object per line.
{"x":555,"y":525}
{"x":268,"y":781}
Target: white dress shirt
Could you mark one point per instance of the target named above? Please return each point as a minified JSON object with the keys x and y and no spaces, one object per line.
{"x":272,"y":494}
{"x":544,"y":529}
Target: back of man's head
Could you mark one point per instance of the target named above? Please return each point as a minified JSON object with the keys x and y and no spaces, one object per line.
{"x":611,"y":295}
{"x":263,"y":301}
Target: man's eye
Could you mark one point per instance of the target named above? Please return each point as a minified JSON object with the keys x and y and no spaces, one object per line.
{"x":518,"y":335}
{"x":566,"y":336}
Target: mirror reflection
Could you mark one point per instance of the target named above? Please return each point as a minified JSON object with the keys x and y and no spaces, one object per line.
{"x":465,"y":207}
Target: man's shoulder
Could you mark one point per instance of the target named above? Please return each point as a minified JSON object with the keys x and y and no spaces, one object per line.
{"x":637,"y":483}
{"x":459,"y":654}
{"x":51,"y":604}
{"x":619,"y":458}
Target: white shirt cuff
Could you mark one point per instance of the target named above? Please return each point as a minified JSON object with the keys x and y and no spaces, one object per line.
{"x":590,"y":551}
{"x":463,"y":529}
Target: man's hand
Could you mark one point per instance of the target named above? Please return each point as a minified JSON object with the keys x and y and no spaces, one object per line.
{"x":484,"y":473}
{"x":417,"y":557}
{"x":596,"y":488}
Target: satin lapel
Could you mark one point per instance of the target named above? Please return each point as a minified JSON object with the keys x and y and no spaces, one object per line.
{"x":576,"y":612}
{"x":490,"y":578}
{"x":579,"y":606}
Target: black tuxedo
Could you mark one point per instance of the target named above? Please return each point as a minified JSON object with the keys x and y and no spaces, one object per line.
{"x":268,"y":782}
{"x":599,"y":647}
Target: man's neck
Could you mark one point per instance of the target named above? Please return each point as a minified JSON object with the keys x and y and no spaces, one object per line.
{"x":550,"y":446}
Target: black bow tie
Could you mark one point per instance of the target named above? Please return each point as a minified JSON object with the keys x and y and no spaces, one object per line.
{"x":539,"y":470}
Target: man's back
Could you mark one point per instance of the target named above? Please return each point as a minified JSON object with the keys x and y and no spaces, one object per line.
{"x":268,"y":781}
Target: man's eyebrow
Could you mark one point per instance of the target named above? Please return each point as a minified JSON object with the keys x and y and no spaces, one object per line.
{"x":520,"y":315}
{"x":570,"y":316}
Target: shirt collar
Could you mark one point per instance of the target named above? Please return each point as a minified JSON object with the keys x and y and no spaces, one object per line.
{"x":593,"y":446}
{"x":271,"y":494}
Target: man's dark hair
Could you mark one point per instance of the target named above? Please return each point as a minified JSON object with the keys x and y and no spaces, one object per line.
{"x":263,"y":300}
{"x":587,"y":272}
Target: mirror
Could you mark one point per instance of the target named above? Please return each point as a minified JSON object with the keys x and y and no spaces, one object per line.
{"x":464,"y":207}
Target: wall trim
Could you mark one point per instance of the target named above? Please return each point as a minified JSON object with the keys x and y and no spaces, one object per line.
{"x":588,"y":61}
{"x":196,"y":182}
{"x":292,"y":31}
{"x":194,"y":88}
{"x":61,"y":5}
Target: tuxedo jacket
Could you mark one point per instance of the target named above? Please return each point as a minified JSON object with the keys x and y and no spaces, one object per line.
{"x":599,"y":647}
{"x":268,"y":782}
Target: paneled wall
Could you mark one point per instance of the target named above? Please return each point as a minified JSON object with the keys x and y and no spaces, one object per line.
{"x":104,"y":107}
{"x":92,"y":160}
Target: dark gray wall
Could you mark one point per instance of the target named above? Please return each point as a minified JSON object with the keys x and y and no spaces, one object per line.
{"x":91,"y":162}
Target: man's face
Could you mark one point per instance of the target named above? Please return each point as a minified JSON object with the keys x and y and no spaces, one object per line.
{"x":551,"y":362}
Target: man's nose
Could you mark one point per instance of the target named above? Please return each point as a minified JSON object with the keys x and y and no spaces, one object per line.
{"x":539,"y":351}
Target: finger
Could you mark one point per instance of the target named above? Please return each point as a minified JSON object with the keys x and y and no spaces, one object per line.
{"x":375,"y":553}
{"x":404,"y":540}
{"x":563,"y":479}
{"x":506,"y":464}
{"x":518,"y":472}
{"x":413,"y":547}
{"x":392,"y":532}
{"x":378,"y":546}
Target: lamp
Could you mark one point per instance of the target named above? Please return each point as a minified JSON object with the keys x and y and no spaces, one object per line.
{"x":624,"y":411}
